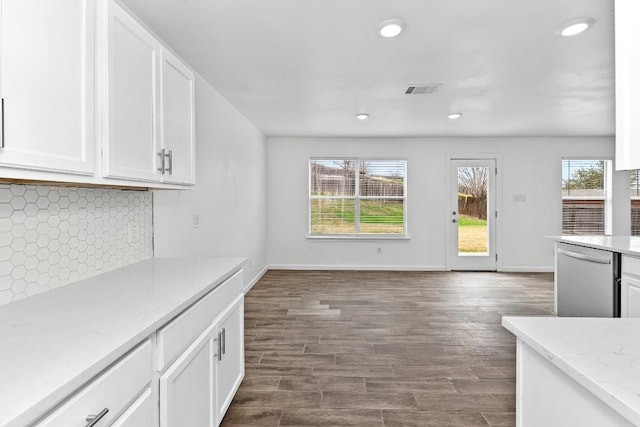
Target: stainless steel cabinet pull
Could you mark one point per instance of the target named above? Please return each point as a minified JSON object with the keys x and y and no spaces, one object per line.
{"x":224,"y":341}
{"x":161,"y":155}
{"x":584,"y":257}
{"x":169,"y":154}
{"x":219,"y":353}
{"x":93,"y":419}
{"x":2,"y":120}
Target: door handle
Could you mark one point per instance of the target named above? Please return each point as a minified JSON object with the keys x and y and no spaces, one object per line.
{"x":454,"y":220}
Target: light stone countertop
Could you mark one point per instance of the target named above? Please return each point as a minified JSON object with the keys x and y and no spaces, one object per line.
{"x":628,"y":245}
{"x":53,"y":343}
{"x":603,"y":355}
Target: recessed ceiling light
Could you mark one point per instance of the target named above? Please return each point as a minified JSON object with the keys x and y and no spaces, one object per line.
{"x":362,"y":116}
{"x":391,"y":28}
{"x":575,"y":27}
{"x":454,"y":116}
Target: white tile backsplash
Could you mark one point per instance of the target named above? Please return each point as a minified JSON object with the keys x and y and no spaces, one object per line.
{"x":53,"y":236}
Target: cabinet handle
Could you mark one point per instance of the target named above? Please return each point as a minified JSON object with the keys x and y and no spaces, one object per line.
{"x":92,"y":420}
{"x":169,"y":154}
{"x":219,"y":353}
{"x":224,"y":341}
{"x":2,"y":120}
{"x":161,"y":155}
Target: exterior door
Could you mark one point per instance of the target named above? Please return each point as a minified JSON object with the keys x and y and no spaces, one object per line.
{"x":472,"y":216}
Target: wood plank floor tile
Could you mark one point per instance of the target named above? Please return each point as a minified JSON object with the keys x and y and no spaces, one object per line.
{"x":395,"y":418}
{"x":459,"y":402}
{"x":278,"y":399}
{"x":359,"y":348}
{"x":238,"y":416}
{"x":500,"y":419}
{"x":368,"y":400}
{"x":390,"y":385}
{"x":485,"y":386}
{"x":331,"y":417}
{"x":322,"y":383}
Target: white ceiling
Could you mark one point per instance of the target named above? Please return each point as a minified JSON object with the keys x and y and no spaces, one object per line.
{"x":306,"y":67}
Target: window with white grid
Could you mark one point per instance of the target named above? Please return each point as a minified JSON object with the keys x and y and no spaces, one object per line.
{"x":586,"y":196}
{"x":357,"y":197}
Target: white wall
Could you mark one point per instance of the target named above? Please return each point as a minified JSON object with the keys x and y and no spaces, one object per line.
{"x":527,"y":166}
{"x":230,"y":194}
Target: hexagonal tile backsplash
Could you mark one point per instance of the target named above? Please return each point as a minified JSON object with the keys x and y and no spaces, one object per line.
{"x":53,"y":236}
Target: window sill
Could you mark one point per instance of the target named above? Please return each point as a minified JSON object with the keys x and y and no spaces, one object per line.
{"x":374,"y":238}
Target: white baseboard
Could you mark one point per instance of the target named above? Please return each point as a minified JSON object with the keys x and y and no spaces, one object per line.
{"x":357,"y":267}
{"x":527,"y":269}
{"x":508,"y":269}
{"x":255,"y":279}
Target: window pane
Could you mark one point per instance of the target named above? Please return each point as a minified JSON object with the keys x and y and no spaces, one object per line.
{"x":635,"y":203}
{"x":333,"y":177}
{"x":583,"y":217}
{"x":382,"y":178}
{"x":584,"y":196}
{"x":381,"y":216}
{"x":333,"y":216}
{"x":583,"y":178}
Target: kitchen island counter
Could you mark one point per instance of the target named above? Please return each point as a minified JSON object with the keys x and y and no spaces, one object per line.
{"x":601,"y":355}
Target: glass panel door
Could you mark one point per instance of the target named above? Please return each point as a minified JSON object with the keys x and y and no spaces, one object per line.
{"x":472,"y":242}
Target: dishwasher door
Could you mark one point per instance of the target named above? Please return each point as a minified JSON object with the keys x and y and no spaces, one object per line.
{"x":587,"y":283}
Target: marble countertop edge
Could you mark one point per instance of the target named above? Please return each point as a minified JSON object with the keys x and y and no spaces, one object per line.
{"x":615,"y":401}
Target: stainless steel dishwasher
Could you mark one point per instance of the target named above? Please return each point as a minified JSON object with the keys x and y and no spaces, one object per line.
{"x":587,"y":282}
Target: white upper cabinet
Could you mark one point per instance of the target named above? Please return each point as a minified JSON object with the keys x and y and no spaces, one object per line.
{"x":47,"y":69}
{"x":130,"y":135}
{"x":178,"y":133}
{"x":627,"y":13}
{"x":149,"y":134}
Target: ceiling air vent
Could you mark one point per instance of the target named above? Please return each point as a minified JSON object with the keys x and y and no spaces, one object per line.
{"x":422,"y":89}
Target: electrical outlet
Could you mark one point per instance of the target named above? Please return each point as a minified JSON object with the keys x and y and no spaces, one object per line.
{"x":133,"y":232}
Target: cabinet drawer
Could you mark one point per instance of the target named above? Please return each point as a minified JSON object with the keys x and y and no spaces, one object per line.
{"x":112,"y":390}
{"x":139,"y":413}
{"x":630,"y":266}
{"x":181,"y":331}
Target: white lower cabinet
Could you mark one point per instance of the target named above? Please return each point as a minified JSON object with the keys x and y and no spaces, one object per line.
{"x":231,"y":362}
{"x":185,"y":375}
{"x":187,"y":388}
{"x":104,"y":398}
{"x":139,"y":414}
{"x":198,"y":382}
{"x":630,"y":287}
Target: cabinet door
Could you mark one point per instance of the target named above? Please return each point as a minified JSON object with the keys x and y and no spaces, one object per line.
{"x":130,"y":144}
{"x":187,"y":388}
{"x":630,"y":298}
{"x":47,"y":85}
{"x":231,"y":367}
{"x":627,"y":13}
{"x":178,"y":132}
{"x":138,"y":414}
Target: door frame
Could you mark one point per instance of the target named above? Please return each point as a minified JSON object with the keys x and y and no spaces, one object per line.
{"x":449,"y":259}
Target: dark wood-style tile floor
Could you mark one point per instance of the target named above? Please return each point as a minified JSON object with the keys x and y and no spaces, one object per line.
{"x":356,"y":348}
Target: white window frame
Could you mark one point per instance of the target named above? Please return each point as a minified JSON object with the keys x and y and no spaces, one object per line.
{"x":357,"y":235}
{"x":608,"y":191}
